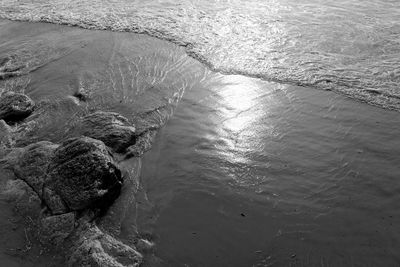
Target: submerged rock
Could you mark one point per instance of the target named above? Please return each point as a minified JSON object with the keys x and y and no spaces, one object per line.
{"x":97,"y":249}
{"x":31,"y":164}
{"x":15,"y":107}
{"x":82,"y":95}
{"x":143,"y":143}
{"x":55,"y":229}
{"x":84,"y":174}
{"x":111,"y":128}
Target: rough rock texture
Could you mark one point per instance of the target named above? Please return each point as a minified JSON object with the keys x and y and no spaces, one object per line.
{"x":15,"y":106}
{"x":54,"y":202}
{"x":26,"y":201}
{"x":5,"y":138}
{"x":5,"y":134}
{"x":111,"y":128}
{"x":31,"y":164}
{"x":55,"y":229}
{"x":143,"y":144}
{"x":84,"y":174}
{"x":97,"y":249}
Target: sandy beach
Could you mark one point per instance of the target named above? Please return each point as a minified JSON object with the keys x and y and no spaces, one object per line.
{"x":242,"y":172}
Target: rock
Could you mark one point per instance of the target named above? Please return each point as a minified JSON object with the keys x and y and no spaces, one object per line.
{"x":54,"y":202}
{"x":55,"y":229}
{"x":97,"y":249}
{"x":11,"y":158}
{"x":111,"y":128}
{"x":31,"y":164}
{"x":5,"y":134}
{"x":5,"y":138}
{"x":15,"y":107}
{"x":26,"y":201}
{"x":82,"y":95}
{"x":143,"y":143}
{"x":84,"y":174}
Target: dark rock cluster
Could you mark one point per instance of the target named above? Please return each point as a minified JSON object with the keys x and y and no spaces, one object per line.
{"x":57,"y":183}
{"x":65,"y":186}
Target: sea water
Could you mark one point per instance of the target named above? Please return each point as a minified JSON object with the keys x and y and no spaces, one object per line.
{"x":350,"y":46}
{"x":250,"y":173}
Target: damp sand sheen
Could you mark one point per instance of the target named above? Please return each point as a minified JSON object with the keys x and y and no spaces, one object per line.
{"x":242,"y":171}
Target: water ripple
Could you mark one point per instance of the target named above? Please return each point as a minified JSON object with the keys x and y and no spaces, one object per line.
{"x":350,"y":46}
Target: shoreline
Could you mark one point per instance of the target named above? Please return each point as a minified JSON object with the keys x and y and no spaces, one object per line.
{"x":140,"y":77}
{"x":363,"y":97}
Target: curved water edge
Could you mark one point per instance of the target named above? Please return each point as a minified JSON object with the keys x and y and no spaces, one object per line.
{"x":348,"y":46}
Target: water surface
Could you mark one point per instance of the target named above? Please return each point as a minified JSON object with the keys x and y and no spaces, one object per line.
{"x":350,"y":46}
{"x":250,"y":173}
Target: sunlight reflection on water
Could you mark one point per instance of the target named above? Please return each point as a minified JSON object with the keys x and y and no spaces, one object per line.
{"x":244,"y":124}
{"x":255,"y":166}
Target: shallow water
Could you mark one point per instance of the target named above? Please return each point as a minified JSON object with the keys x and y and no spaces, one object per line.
{"x":126,"y":73}
{"x":250,"y":173}
{"x":350,"y":46}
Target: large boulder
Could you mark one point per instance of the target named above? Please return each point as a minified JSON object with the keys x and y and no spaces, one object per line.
{"x":30,"y":164}
{"x":83,"y":173}
{"x":15,"y":106}
{"x":97,"y":249}
{"x":111,"y":128}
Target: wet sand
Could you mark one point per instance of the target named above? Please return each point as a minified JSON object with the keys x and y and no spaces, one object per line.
{"x":246,"y":173}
